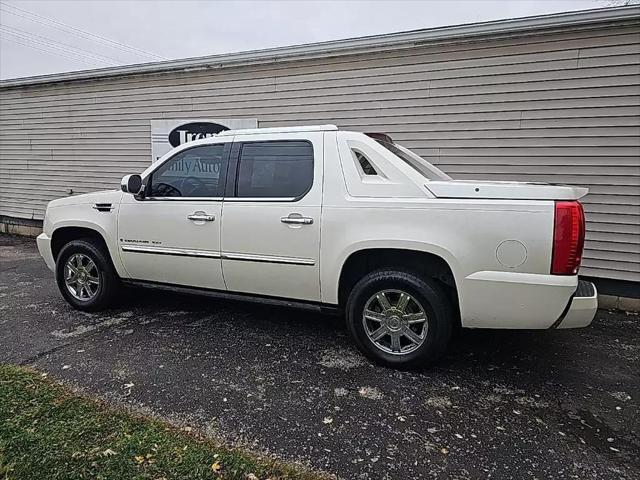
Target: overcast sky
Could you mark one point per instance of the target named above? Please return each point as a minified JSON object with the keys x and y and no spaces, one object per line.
{"x":36,"y":45}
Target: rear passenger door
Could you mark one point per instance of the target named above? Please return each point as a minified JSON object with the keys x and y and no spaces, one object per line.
{"x":271,"y":216}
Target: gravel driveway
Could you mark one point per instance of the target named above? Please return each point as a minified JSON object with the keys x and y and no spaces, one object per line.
{"x":550,"y":404}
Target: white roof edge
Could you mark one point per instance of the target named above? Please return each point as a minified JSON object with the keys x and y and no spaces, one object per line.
{"x":348,"y":46}
{"x":308,"y":128}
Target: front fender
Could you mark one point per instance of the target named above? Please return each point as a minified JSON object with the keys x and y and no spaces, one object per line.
{"x":104,"y":223}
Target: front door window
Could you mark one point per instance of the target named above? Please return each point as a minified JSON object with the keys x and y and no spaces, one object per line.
{"x":194,"y":173}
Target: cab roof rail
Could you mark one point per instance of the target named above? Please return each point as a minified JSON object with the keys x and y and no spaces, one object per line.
{"x":254,"y":131}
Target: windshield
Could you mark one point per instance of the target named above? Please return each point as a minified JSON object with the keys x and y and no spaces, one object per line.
{"x":416,"y":162}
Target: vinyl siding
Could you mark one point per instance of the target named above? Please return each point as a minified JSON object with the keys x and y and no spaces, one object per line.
{"x":561,"y":107}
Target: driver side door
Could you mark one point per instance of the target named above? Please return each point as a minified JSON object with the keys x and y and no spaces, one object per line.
{"x":172,"y":234}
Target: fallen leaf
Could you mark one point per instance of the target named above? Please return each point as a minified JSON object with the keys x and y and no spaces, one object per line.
{"x":216,"y":467}
{"x":139,"y":459}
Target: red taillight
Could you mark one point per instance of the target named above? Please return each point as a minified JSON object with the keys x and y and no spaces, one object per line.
{"x":568,"y":238}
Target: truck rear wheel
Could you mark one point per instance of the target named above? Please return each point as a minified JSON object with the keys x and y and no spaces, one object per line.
{"x":399,"y":319}
{"x":85,"y":276}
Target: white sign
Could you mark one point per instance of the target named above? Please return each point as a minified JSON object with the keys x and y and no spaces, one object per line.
{"x":167,"y":134}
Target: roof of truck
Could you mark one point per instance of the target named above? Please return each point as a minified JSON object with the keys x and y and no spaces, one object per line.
{"x":307,"y":128}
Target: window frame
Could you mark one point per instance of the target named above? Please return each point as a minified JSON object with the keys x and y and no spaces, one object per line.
{"x":233,"y":172}
{"x":226,"y":151}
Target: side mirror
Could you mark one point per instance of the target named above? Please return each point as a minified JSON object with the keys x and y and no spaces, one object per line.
{"x":131,"y":184}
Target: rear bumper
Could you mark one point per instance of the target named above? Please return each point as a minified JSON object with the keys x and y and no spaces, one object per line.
{"x":44,"y":247}
{"x":582,"y":308}
{"x":492,"y":299}
{"x":514,"y":300}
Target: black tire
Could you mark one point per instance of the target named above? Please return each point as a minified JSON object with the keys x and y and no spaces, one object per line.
{"x":431,"y":297}
{"x":109,"y":281}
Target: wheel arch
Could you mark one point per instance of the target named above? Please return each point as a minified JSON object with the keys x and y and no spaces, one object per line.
{"x":64,"y":234}
{"x":365,"y":260}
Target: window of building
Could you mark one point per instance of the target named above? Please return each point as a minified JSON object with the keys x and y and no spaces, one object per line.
{"x":196,"y":172}
{"x":280,"y":169}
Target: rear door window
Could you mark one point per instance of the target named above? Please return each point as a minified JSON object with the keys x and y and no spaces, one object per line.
{"x":275,"y":169}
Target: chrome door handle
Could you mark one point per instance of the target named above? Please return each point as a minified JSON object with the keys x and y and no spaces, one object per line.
{"x":297,"y":219}
{"x":199,"y":217}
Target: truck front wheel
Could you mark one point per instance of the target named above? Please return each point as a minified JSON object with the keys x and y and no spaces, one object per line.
{"x":399,"y":319}
{"x":85,"y":276}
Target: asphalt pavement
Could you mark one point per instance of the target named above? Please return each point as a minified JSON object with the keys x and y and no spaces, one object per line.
{"x":501,"y":404}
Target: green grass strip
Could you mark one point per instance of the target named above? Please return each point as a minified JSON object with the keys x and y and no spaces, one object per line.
{"x":49,"y":432}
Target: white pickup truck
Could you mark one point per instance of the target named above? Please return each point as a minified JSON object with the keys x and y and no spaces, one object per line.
{"x":337,"y":220}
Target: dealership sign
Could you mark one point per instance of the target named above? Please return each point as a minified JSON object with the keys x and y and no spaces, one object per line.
{"x":167,"y":134}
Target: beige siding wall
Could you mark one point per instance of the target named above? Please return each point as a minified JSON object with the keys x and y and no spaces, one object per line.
{"x":559,"y":107}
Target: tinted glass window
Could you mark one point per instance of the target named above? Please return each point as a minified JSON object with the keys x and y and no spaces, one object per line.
{"x":196,"y":172}
{"x":365,"y":164}
{"x":275,"y":169}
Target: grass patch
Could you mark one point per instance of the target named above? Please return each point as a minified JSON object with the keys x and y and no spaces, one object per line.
{"x":49,"y":432}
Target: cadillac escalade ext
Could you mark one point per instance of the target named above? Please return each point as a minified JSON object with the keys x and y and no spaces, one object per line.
{"x":331,"y":219}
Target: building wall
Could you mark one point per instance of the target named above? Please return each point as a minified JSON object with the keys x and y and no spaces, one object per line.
{"x":560,"y":107}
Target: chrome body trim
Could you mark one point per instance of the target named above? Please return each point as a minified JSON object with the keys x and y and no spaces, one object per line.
{"x":299,"y":220}
{"x":103,"y":207}
{"x":225,"y":199}
{"x":180,"y":252}
{"x":261,"y":199}
{"x":242,"y":257}
{"x":221,"y":199}
{"x":185,"y":252}
{"x":185,"y":199}
{"x":201,"y":217}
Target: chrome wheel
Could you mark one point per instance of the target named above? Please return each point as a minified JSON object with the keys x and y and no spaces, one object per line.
{"x":81,"y":277}
{"x":395,"y":322}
